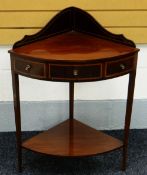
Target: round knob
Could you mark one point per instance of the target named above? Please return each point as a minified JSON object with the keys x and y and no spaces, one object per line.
{"x":122,"y":66}
{"x":28,"y":67}
{"x":75,"y":72}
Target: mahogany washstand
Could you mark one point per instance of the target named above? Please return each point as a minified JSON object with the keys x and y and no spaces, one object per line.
{"x":73,"y":47}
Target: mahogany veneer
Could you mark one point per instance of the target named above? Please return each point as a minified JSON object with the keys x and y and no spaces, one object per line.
{"x":72,"y":138}
{"x":73,"y":47}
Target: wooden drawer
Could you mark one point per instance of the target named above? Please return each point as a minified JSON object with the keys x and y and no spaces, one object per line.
{"x":29,"y":68}
{"x":75,"y":72}
{"x":119,"y":67}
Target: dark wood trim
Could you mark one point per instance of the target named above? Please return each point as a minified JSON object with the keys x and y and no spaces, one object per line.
{"x":131,"y":86}
{"x":71,"y":100}
{"x":15,"y":82}
{"x":73,"y":18}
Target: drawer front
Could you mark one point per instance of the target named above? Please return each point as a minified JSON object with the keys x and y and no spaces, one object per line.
{"x":29,"y":68}
{"x":76,"y":72}
{"x":119,"y":67}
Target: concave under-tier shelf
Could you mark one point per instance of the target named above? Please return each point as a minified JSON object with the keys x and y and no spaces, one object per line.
{"x":72,"y":138}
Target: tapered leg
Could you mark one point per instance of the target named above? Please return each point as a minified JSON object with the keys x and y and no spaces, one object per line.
{"x":128,"y":117}
{"x":71,"y":100}
{"x":15,"y":82}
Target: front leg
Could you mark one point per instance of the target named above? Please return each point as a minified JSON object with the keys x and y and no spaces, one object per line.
{"x":15,"y":82}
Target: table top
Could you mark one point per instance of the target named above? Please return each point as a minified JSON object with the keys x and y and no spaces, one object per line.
{"x":74,"y":46}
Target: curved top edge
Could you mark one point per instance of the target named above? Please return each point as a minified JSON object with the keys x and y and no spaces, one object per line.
{"x":73,"y":18}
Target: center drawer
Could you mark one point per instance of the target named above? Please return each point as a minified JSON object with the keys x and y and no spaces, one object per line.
{"x":75,"y":72}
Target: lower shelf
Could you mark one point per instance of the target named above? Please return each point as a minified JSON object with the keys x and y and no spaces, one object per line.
{"x":72,"y":138}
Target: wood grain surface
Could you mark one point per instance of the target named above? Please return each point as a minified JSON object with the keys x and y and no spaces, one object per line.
{"x":72,"y":138}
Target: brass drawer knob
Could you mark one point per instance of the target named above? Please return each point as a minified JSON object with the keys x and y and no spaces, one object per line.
{"x":28,"y":67}
{"x":122,"y":66}
{"x":75,"y":72}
